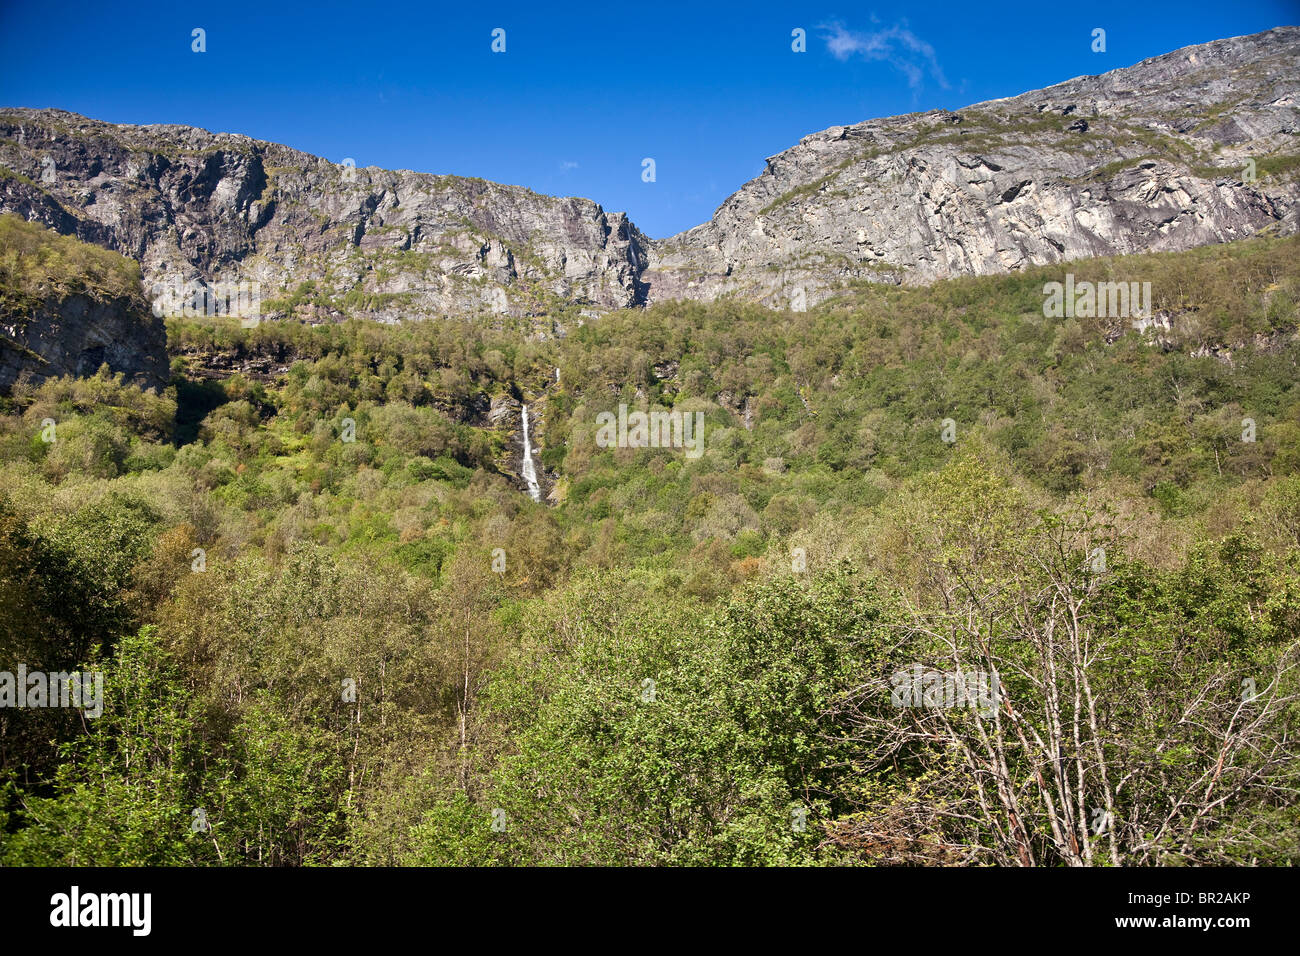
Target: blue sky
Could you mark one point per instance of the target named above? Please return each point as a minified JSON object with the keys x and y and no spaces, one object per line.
{"x":583,"y":92}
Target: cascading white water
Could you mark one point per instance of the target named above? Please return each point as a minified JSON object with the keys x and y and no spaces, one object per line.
{"x":528,"y":468}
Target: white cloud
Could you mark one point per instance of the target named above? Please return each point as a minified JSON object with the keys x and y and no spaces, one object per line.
{"x":567,"y":165}
{"x":898,"y":46}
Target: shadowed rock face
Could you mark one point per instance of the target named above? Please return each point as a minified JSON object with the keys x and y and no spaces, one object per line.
{"x":76,"y":334}
{"x":1148,"y":158}
{"x":69,"y":307}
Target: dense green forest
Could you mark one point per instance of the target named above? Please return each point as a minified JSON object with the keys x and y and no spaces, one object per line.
{"x":335,"y":629}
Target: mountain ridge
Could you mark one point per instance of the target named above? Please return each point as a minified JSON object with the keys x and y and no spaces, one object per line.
{"x":1151,"y":156}
{"x":200,"y":207}
{"x":753,"y":244}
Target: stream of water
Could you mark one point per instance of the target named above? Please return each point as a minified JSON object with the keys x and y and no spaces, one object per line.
{"x":528,"y":468}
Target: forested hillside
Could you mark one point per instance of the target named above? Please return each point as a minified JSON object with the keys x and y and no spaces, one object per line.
{"x":334,"y":627}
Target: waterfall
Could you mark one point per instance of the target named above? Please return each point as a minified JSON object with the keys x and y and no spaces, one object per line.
{"x":528,"y":469}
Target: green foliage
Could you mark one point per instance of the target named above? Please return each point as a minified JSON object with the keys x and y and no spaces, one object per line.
{"x":36,"y":263}
{"x":647,"y":739}
{"x":237,"y":553}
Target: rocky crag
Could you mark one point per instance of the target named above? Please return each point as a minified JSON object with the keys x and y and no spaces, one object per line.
{"x":1198,"y":146}
{"x":322,"y":240}
{"x":68,"y":308}
{"x":1194,"y":147}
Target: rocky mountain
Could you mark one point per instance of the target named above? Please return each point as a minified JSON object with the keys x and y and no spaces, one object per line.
{"x":321,"y":240}
{"x":1197,"y":146}
{"x":68,"y":307}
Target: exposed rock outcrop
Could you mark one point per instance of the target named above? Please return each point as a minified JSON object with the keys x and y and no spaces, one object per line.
{"x":82,"y":310}
{"x":1197,"y":146}
{"x":193,"y":206}
{"x":1194,"y":147}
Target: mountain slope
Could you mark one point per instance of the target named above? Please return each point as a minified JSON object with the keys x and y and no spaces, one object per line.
{"x":1153,"y":157}
{"x":192,"y":205}
{"x":1146,"y":158}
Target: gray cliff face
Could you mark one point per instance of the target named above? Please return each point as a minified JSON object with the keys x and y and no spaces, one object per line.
{"x":1148,"y":158}
{"x":191,"y":205}
{"x":76,"y":334}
